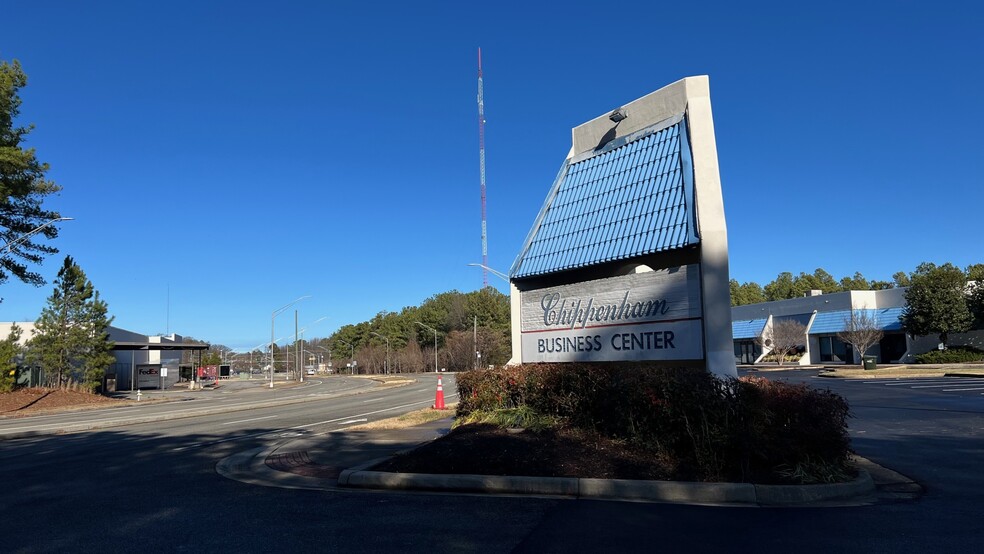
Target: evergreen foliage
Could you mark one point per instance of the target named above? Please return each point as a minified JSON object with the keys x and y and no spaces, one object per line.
{"x":23,"y":187}
{"x":936,"y":302}
{"x":953,"y":355}
{"x":211,"y":357}
{"x":458,"y":317}
{"x":786,"y":285}
{"x":71,"y":341}
{"x":976,"y":303}
{"x":746,"y":293}
{"x":10,"y":350}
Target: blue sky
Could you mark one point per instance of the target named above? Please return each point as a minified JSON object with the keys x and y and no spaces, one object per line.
{"x":224,"y":158}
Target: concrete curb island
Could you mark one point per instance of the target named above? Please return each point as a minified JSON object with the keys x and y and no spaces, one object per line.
{"x":615,"y":489}
{"x":320,"y":466}
{"x":253,"y":467}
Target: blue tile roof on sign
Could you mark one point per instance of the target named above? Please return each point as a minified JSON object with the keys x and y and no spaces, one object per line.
{"x":634,"y":197}
{"x":826,"y":323}
{"x":748,"y":329}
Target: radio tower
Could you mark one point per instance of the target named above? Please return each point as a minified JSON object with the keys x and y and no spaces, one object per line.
{"x":481,"y":167}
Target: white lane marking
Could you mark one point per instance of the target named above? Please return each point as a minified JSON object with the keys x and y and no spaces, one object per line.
{"x":245,"y":420}
{"x":354,"y":421}
{"x":956,"y":390}
{"x":373,"y":400}
{"x":925,"y":381}
{"x":932,"y":386}
{"x":276,"y":431}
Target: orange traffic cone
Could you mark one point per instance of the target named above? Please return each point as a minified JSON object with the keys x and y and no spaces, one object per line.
{"x":439,"y":398}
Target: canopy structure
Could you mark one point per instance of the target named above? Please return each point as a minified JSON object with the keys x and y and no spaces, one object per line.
{"x":160,"y":346}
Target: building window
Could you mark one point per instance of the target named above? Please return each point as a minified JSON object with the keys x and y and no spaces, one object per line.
{"x":832,"y":349}
{"x":746,"y":352}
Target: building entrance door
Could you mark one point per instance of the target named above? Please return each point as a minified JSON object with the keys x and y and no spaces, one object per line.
{"x":746,"y":352}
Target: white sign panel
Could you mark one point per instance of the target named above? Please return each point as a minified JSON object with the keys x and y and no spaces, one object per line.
{"x":642,"y":316}
{"x":678,"y":340}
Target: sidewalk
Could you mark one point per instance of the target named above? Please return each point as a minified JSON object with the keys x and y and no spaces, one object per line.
{"x":341,"y":459}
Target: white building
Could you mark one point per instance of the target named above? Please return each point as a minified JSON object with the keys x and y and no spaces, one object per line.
{"x":142,"y":361}
{"x":826,"y":315}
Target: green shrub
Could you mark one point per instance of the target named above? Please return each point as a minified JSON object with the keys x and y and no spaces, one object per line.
{"x":8,"y":379}
{"x":522,"y":417}
{"x":735,"y":430}
{"x":952,"y":355}
{"x":792,"y":426}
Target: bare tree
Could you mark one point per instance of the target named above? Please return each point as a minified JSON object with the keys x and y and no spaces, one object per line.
{"x":861,"y":331}
{"x":783,"y":337}
{"x":410,"y":359}
{"x":459,"y":351}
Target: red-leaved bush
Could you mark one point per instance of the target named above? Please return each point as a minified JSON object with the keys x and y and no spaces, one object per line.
{"x":735,"y":430}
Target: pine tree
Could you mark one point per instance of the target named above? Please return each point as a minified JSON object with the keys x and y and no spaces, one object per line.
{"x":23,"y":187}
{"x":71,"y":339}
{"x":9,"y":352}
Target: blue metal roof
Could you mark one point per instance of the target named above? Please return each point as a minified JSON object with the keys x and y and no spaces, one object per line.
{"x":748,"y":329}
{"x":631,"y":198}
{"x":826,"y":323}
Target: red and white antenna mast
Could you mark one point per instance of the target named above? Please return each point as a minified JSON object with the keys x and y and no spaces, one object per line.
{"x":481,"y":158}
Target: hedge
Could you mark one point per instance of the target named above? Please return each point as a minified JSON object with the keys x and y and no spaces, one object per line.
{"x":746,"y":429}
{"x":952,"y":355}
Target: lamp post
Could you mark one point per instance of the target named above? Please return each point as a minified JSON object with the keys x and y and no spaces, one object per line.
{"x":273,"y":316}
{"x":498,"y":274}
{"x":328,"y":350}
{"x":352,"y":363}
{"x":10,"y":245}
{"x":299,"y":338}
{"x":435,"y":342}
{"x":257,"y":347}
{"x":387,"y":363}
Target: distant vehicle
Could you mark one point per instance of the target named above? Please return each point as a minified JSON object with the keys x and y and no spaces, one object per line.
{"x":310,"y":372}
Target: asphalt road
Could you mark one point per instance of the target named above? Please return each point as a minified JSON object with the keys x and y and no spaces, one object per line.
{"x":154,"y":487}
{"x":233,"y":395}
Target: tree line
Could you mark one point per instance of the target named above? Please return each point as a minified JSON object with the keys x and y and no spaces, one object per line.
{"x":471,"y":330}
{"x":940,"y":301}
{"x":786,"y":285}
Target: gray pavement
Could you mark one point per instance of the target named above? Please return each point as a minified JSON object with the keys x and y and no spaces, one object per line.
{"x":344,"y":460}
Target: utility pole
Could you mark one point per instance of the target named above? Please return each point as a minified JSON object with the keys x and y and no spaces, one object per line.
{"x":481,"y":169}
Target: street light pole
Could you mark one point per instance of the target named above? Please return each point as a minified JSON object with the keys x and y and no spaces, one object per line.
{"x":273,"y":316}
{"x":328,"y":350}
{"x":297,"y":360}
{"x":299,"y":343}
{"x":386,"y":365}
{"x":498,"y":274}
{"x":352,"y":359}
{"x":435,"y":342}
{"x":10,"y":245}
{"x":257,"y":347}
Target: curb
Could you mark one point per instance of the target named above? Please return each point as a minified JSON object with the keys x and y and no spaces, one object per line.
{"x":617,"y":489}
{"x":784,"y":495}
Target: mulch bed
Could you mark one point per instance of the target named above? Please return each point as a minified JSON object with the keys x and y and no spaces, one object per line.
{"x":484,"y":449}
{"x":33,"y":400}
